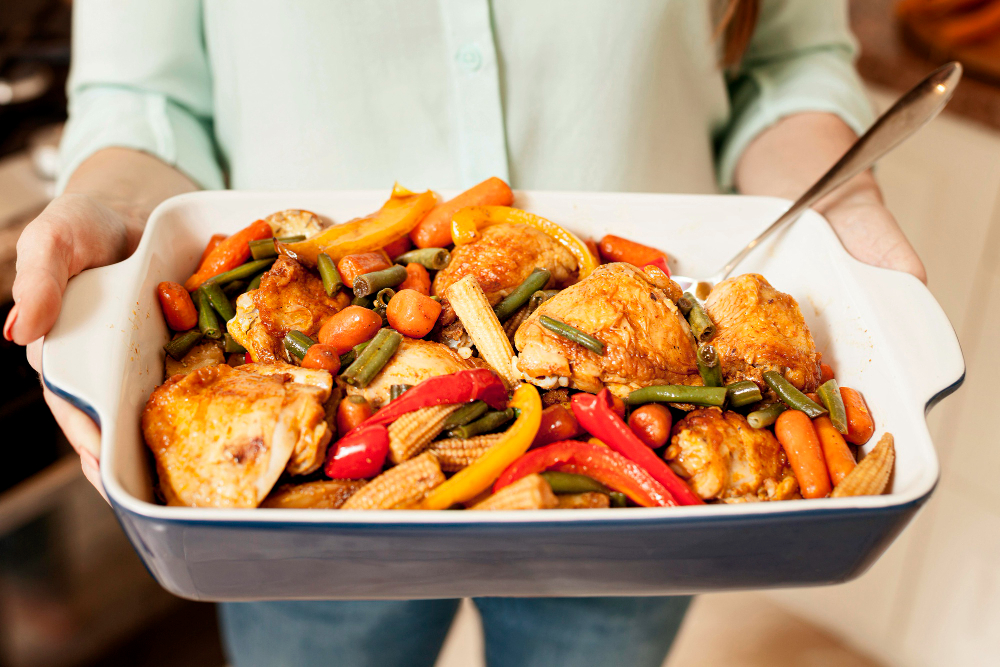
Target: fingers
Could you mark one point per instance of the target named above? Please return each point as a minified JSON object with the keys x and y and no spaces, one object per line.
{"x":80,"y":430}
{"x":93,"y":475}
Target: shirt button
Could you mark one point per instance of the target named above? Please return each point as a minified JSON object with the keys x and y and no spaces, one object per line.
{"x":469,"y":57}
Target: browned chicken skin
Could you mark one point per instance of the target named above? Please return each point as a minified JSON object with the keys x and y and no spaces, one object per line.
{"x":723,"y":458}
{"x":761,"y":329}
{"x":646,"y":339}
{"x":222,"y":436}
{"x":290,"y":297}
{"x":501,"y":259}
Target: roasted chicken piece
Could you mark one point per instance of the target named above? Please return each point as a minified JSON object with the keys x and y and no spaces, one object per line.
{"x":723,"y":458}
{"x":320,"y":495}
{"x":415,"y":360}
{"x":501,"y":259}
{"x":205,"y":353}
{"x":222,"y":436}
{"x":290,"y":297}
{"x":646,"y":339}
{"x":761,"y":329}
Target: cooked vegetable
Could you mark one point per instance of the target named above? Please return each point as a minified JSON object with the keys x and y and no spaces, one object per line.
{"x":178,"y":308}
{"x":382,"y":299}
{"x":397,"y":247}
{"x":826,"y":373}
{"x":573,"y":334}
{"x":860,"y":426}
{"x":234,"y":289}
{"x":679,"y":393}
{"x":410,"y":434}
{"x":839,"y":459}
{"x":229,"y":254}
{"x":469,"y":412}
{"x":207,"y":321}
{"x":791,"y":396}
{"x":583,"y":501}
{"x":661,"y":264}
{"x":243,"y":271}
{"x":349,"y":327}
{"x":651,"y":423}
{"x":568,"y":482}
{"x":352,"y":266}
{"x":871,"y":475}
{"x":397,"y":390}
{"x":473,"y":480}
{"x":264,"y":248}
{"x":399,"y":487}
{"x":352,"y":412}
{"x":709,"y":366}
{"x":417,"y":279}
{"x":455,"y":453}
{"x":213,"y":243}
{"x":531,"y":492}
{"x":540,"y":297}
{"x":363,"y":301}
{"x":360,"y":458}
{"x":255,"y":283}
{"x":322,"y":357}
{"x":412,"y":314}
{"x":328,"y":273}
{"x":297,"y":344}
{"x":767,"y":415}
{"x":370,"y":283}
{"x":481,"y":323}
{"x":230,"y":346}
{"x":374,"y":357}
{"x":797,"y":435}
{"x":743,"y":393}
{"x":182,"y":344}
{"x":433,"y":259}
{"x":618,"y":499}
{"x":535,"y":281}
{"x":596,"y":414}
{"x":829,"y":397}
{"x":491,"y":421}
{"x":435,"y":228}
{"x":218,"y":299}
{"x":617,"y":249}
{"x":702,"y":326}
{"x":558,"y":423}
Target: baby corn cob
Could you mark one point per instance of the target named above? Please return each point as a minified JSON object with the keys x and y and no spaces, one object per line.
{"x":457,"y":453}
{"x":871,"y":475}
{"x":528,"y":493}
{"x":410,"y":434}
{"x":399,"y":487}
{"x":511,"y":325}
{"x":583,"y":501}
{"x":481,"y":323}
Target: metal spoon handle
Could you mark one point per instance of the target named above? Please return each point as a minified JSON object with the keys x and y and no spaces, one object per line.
{"x":910,"y":113}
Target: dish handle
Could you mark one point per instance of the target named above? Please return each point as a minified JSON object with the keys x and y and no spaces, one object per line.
{"x":919,"y":331}
{"x":78,"y":359}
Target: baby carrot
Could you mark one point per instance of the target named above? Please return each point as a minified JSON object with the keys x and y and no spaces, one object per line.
{"x":212,"y":244}
{"x":617,"y":249}
{"x":839,"y":459}
{"x":178,"y":308}
{"x":229,"y":254}
{"x":351,"y":326}
{"x":826,"y":373}
{"x":322,"y":357}
{"x":860,"y":426}
{"x":352,"y":266}
{"x":434,"y":231}
{"x":412,"y":314}
{"x":417,"y":279}
{"x":397,"y":247}
{"x":797,"y":435}
{"x":351,"y":412}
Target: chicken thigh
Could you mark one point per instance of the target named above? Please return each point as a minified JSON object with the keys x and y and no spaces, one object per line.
{"x":761,"y":329}
{"x":646,"y":339}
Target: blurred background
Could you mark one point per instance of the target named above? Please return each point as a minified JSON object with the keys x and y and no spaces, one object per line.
{"x":73,"y":593}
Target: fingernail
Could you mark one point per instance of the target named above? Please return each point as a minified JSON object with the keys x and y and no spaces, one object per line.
{"x":8,"y":326}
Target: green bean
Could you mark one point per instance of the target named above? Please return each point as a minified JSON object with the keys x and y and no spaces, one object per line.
{"x":397,"y":390}
{"x":572,"y":333}
{"x":297,"y":343}
{"x":383,"y":298}
{"x":360,"y":347}
{"x":264,"y":248}
{"x":243,"y":271}
{"x":362,"y":301}
{"x":347,"y":358}
{"x":709,"y":366}
{"x":567,"y":482}
{"x":234,"y":289}
{"x":678,"y":393}
{"x":207,"y":321}
{"x":328,"y":273}
{"x":255,"y":283}
{"x":618,"y":499}
{"x":766,"y":415}
{"x":540,"y":297}
{"x":522,"y":293}
{"x":829,"y":395}
{"x":791,"y":396}
{"x":219,"y":301}
{"x":370,"y":283}
{"x":744,"y":393}
{"x":685,"y":303}
{"x":701,"y":324}
{"x":465,"y":414}
{"x":491,"y":421}
{"x":231,"y":346}
{"x":434,"y":259}
{"x":179,"y":347}
{"x":373,"y":358}
{"x":435,"y":297}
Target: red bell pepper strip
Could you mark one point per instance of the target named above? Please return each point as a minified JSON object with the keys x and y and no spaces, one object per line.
{"x":360,"y":456}
{"x":480,"y":384}
{"x":606,"y":466}
{"x":596,"y":415}
{"x":660,"y":263}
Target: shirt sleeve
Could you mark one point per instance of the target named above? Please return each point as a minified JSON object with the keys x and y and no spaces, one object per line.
{"x":800,"y":59}
{"x":140,"y":79}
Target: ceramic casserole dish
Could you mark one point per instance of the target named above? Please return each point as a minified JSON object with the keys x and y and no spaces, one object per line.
{"x":881,"y":330}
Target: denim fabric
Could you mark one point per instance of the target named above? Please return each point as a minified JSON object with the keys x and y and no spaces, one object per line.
{"x":550,"y":632}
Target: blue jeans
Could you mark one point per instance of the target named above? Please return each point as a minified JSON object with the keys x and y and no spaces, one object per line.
{"x":549,"y":632}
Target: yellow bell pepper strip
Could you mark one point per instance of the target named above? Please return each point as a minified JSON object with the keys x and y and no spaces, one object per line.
{"x":473,"y":480}
{"x":467,"y":222}
{"x":397,"y":217}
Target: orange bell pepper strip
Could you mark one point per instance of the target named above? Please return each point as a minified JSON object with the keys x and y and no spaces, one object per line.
{"x":229,"y":254}
{"x":465,"y":226}
{"x":397,"y":217}
{"x":473,"y":480}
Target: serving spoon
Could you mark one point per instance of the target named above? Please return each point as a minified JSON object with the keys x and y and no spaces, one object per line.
{"x":911,"y":112}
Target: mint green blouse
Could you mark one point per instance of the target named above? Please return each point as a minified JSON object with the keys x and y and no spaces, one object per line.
{"x":551,"y":94}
